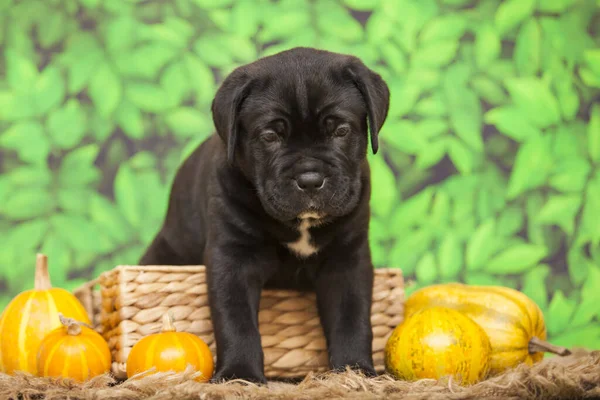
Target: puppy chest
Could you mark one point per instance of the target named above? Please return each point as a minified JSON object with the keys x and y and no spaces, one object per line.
{"x":303,"y":247}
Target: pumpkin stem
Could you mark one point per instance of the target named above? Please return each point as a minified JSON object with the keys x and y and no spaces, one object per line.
{"x":537,"y":345}
{"x":73,"y":326}
{"x":167,"y":322}
{"x":42,"y":277}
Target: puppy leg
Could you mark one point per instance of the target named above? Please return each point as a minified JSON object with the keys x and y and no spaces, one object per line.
{"x":236,"y":275}
{"x":344,"y":289}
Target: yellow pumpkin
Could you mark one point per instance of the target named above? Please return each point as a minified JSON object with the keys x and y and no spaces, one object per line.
{"x":513,"y":322}
{"x":170,"y":350}
{"x":73,"y":351}
{"x":436,"y":343}
{"x":30,"y":316}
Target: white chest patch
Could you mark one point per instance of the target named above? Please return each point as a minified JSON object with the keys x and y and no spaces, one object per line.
{"x":303,"y":247}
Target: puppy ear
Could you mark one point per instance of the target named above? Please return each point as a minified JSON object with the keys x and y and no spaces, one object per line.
{"x":226,"y":107}
{"x":376,"y":95}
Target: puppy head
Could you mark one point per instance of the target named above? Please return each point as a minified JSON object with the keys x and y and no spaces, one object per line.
{"x":297,"y":123}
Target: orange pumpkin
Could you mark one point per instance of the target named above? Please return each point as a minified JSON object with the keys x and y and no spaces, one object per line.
{"x":170,"y":350}
{"x":30,"y":316}
{"x":73,"y":351}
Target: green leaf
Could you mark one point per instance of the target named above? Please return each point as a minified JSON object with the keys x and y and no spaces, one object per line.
{"x":380,"y":27}
{"x":282,"y":24}
{"x":516,"y":259}
{"x":554,"y":6}
{"x":448,"y":26}
{"x":531,"y":167}
{"x":211,"y":4}
{"x":435,"y":54}
{"x":570,"y":175}
{"x":77,"y":167}
{"x":487,"y":46}
{"x":67,"y":125}
{"x":510,"y":221}
{"x":80,"y":234}
{"x":334,"y":20}
{"x":105,"y":90}
{"x":407,"y":94}
{"x":408,"y":249}
{"x":49,"y":89}
{"x":107,"y":217}
{"x":148,"y":97}
{"x":462,"y":157}
{"x":580,"y":337}
{"x":52,"y":28}
{"x":60,"y":257}
{"x":30,"y":175}
{"x":593,"y":133}
{"x":413,"y":211}
{"x":534,"y":98}
{"x":512,"y":122}
{"x":481,"y":245}
{"x":426,"y":271}
{"x":450,"y":256}
{"x":74,"y":200}
{"x":534,"y":285}
{"x":189,"y":122}
{"x":561,"y":210}
{"x":527,"y":53}
{"x":511,"y":13}
{"x":120,"y":33}
{"x":175,"y":80}
{"x":481,"y":279}
{"x":592,"y":60}
{"x":210,"y":49}
{"x":145,"y":61}
{"x":589,"y":291}
{"x":404,"y":136}
{"x":432,"y":106}
{"x":201,"y":79}
{"x":362,"y":5}
{"x":488,"y":90}
{"x":589,"y":223}
{"x":559,"y":313}
{"x":27,"y":203}
{"x":128,"y":197}
{"x":82,"y":57}
{"x":130,"y":119}
{"x":568,"y":99}
{"x":432,"y":154}
{"x":385,"y":194}
{"x":465,"y":112}
{"x":21,"y":72}
{"x":394,"y":57}
{"x":21,"y":239}
{"x":28,"y":140}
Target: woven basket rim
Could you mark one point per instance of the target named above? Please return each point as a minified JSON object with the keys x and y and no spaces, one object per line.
{"x":200,"y":268}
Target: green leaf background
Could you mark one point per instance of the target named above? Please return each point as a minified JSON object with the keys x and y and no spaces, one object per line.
{"x":489,"y":170}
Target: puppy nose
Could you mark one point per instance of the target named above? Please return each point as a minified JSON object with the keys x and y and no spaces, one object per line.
{"x":310,"y":181}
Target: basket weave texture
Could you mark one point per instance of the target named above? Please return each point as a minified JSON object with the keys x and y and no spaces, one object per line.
{"x":131,"y":301}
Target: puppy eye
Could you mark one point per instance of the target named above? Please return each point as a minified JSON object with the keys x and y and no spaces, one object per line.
{"x":342,"y":130}
{"x":269,"y":136}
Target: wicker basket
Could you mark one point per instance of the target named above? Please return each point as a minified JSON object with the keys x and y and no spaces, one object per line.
{"x":128,"y":302}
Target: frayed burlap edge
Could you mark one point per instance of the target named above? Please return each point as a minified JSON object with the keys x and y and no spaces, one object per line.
{"x":573,"y":377}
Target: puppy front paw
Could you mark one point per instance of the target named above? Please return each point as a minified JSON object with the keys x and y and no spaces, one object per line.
{"x":361,"y":367}
{"x":244,"y":372}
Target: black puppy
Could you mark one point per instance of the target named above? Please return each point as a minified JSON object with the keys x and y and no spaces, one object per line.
{"x":280,"y":198}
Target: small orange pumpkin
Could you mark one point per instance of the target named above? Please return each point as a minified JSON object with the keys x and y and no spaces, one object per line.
{"x":170,"y":350}
{"x":30,"y":316}
{"x":73,"y":351}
